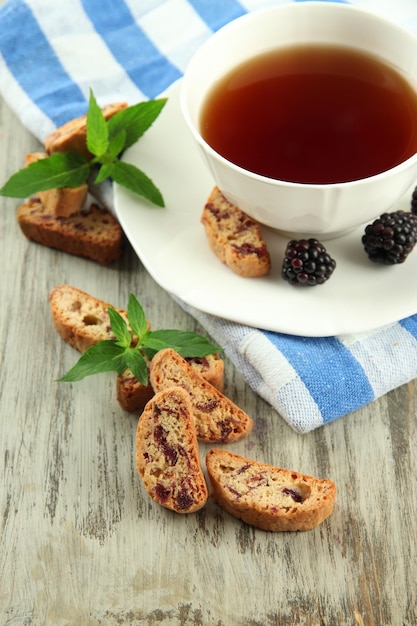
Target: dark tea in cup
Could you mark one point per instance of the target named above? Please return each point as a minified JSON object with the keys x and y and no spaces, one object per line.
{"x":316,"y":114}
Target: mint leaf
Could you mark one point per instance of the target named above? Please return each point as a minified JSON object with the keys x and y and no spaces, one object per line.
{"x":103,"y":173}
{"x":106,"y":160}
{"x":97,"y":130}
{"x":135,"y":120}
{"x":104,"y":356}
{"x":137,"y":364}
{"x":119,"y":327}
{"x":116,"y":146}
{"x":136,"y":316}
{"x":187,"y":344}
{"x":133,"y":178}
{"x":61,"y":169}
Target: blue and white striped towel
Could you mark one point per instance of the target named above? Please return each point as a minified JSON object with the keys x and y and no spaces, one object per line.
{"x":51,"y":53}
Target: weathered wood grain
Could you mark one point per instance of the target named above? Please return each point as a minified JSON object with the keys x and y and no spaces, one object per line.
{"x":82,"y":544}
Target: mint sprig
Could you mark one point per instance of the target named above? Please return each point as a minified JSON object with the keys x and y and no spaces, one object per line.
{"x":134,"y":344}
{"x":61,"y":169}
{"x":105,"y":140}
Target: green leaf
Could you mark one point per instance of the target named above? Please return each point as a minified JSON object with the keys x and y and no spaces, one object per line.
{"x":61,"y":169}
{"x":135,"y":120}
{"x":97,"y":130}
{"x":104,"y":356}
{"x":137,"y":181}
{"x":116,"y":146}
{"x":187,"y":344}
{"x":136,"y":316}
{"x":137,"y":364}
{"x":103,"y":173}
{"x":119,"y":327}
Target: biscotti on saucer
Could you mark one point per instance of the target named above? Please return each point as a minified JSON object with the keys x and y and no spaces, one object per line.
{"x":266,"y":496}
{"x":93,"y":234}
{"x":167,"y":454}
{"x":217,"y":418}
{"x":234,"y":237}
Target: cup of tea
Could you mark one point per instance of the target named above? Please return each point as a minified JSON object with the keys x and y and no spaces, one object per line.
{"x":306,"y":115}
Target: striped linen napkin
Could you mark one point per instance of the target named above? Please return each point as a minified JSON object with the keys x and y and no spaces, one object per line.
{"x":52,"y":53}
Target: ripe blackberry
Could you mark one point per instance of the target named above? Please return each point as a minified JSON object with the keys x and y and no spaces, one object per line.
{"x":391,"y":237}
{"x":307,"y":263}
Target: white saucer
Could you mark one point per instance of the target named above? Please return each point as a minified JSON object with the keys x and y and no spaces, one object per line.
{"x":171,"y":243}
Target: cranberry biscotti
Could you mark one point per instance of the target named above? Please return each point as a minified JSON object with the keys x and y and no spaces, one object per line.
{"x":234,"y":237}
{"x":217,"y":418}
{"x":167,"y":454}
{"x":62,"y":201}
{"x":73,"y":134}
{"x":93,"y":234}
{"x":266,"y":496}
{"x":81,"y":319}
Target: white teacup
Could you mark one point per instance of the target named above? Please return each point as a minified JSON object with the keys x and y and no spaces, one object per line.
{"x":321,"y":210}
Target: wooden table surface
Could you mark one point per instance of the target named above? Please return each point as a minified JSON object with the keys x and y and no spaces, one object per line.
{"x":82,"y":544}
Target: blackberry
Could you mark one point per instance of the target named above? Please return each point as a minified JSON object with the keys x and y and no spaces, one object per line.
{"x":307,"y":263}
{"x":391,"y":237}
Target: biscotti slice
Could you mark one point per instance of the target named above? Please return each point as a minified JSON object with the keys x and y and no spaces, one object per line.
{"x":132,"y":395}
{"x":217,"y":418}
{"x":211,"y":368}
{"x":72,"y":136}
{"x":266,"y":496}
{"x":234,"y":237}
{"x":93,"y":234}
{"x":62,"y":201}
{"x":80,"y":319}
{"x":167,"y":454}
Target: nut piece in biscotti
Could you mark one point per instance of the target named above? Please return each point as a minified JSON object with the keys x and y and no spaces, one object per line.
{"x":167,"y":454}
{"x":63,"y":201}
{"x":93,"y":234}
{"x":235,"y":237}
{"x":217,"y":418}
{"x":72,"y":136}
{"x":266,"y":496}
{"x":80,"y":319}
{"x":132,"y":395}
